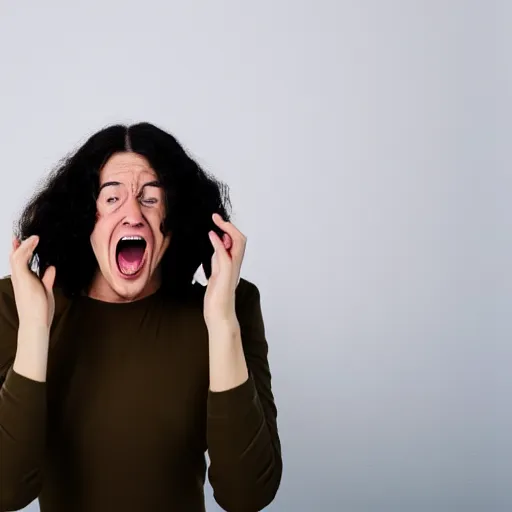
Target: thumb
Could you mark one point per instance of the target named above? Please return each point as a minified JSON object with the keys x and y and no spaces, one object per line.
{"x":49,"y":278}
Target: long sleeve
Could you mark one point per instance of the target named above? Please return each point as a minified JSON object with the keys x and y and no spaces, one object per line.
{"x":243,"y":442}
{"x":22,"y":417}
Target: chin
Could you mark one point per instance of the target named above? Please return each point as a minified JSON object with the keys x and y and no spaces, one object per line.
{"x":131,"y":287}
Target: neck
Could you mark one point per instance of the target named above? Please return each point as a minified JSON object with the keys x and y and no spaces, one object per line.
{"x":101,"y":289}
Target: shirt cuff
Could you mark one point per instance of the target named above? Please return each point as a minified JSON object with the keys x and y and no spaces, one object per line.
{"x":234,"y":401}
{"x":21,"y":387}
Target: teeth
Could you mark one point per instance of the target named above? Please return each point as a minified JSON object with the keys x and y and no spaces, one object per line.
{"x":132,"y":238}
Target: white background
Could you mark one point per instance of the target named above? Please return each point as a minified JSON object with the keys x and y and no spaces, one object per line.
{"x":359,"y":142}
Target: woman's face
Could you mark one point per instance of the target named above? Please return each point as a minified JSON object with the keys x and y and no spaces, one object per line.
{"x":127,"y":240}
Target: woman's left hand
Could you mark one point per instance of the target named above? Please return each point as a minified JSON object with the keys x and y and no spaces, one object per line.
{"x":219,"y":299}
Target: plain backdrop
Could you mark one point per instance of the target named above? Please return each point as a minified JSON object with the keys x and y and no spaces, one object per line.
{"x":359,"y":142}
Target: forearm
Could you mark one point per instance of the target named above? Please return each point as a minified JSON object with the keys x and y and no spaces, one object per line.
{"x":32,"y":352}
{"x":23,"y":403}
{"x":228,"y":367}
{"x":243,"y":442}
{"x":22,"y":430}
{"x":246,"y":465}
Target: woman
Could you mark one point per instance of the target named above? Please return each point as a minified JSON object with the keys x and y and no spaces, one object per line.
{"x":119,"y":368}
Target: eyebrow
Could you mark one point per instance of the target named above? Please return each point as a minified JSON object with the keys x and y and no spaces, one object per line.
{"x":154,"y":183}
{"x":109,"y":184}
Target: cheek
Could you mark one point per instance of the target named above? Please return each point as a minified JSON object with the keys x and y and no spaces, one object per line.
{"x":161,"y":242}
{"x":94,"y":238}
{"x":100,"y":236}
{"x":161,"y":245}
{"x":156,"y":221}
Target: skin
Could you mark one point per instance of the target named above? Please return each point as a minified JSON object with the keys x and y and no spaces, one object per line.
{"x":36,"y":305}
{"x":228,"y":367}
{"x":219,"y":300}
{"x":130,"y":202}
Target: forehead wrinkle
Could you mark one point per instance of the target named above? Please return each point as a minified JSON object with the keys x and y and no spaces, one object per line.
{"x":131,"y":176}
{"x":127,"y":162}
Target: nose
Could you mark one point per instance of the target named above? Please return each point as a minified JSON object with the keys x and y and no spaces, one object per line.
{"x":133,"y":214}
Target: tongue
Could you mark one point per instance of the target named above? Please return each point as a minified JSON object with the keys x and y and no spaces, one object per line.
{"x":129,"y":259}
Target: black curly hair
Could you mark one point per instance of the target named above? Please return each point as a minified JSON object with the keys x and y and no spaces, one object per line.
{"x":63,"y":211}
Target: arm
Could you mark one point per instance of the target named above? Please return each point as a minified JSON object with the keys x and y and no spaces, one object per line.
{"x":22,"y":405}
{"x":243,"y":442}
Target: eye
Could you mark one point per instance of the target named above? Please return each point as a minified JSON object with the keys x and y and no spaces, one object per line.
{"x":112,"y":200}
{"x":150,"y":200}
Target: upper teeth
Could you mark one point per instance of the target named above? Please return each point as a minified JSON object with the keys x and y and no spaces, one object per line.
{"x":132,"y":238}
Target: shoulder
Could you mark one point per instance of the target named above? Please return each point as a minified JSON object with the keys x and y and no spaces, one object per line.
{"x":8,"y":312}
{"x":247,"y":295}
{"x":8,"y":325}
{"x":6,"y":286}
{"x":248,"y":302}
{"x":245,"y":286}
{"x":246,"y":291}
{"x":9,"y":321}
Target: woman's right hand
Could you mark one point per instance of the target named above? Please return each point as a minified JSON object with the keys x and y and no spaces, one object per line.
{"x":34,"y":296}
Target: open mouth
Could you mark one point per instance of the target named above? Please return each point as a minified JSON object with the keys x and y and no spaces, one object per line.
{"x":130,"y":252}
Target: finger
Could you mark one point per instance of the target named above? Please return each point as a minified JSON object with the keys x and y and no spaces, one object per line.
{"x":26,"y":249}
{"x":15,"y":243}
{"x":226,"y":226}
{"x":229,"y":228}
{"x":48,"y":278}
{"x":227,"y":240}
{"x":29,"y":242}
{"x":238,"y":239}
{"x":220,"y":251}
